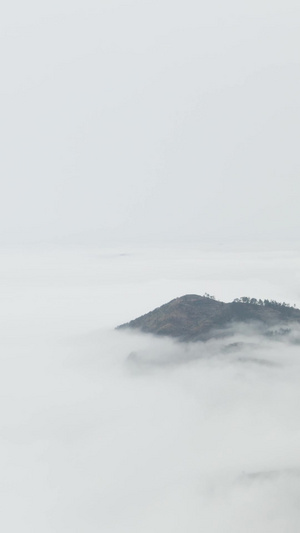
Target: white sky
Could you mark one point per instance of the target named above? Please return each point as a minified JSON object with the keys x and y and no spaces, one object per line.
{"x":149,"y":120}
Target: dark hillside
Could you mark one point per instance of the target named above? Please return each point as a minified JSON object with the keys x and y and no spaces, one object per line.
{"x":192,"y":317}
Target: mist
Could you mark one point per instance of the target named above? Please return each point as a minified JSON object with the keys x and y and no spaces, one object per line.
{"x":103,"y":430}
{"x":148,"y":150}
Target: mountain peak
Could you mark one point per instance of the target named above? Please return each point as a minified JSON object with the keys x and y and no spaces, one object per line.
{"x":192,"y":317}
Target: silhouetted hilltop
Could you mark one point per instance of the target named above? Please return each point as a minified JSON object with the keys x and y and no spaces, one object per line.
{"x":192,"y":317}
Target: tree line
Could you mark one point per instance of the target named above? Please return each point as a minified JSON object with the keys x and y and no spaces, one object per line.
{"x":255,"y":301}
{"x":267,"y":303}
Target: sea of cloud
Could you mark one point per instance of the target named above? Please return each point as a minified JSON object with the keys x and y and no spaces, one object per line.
{"x":103,"y":430}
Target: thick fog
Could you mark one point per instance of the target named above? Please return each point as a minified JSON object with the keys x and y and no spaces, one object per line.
{"x":172,"y":128}
{"x":103,"y":430}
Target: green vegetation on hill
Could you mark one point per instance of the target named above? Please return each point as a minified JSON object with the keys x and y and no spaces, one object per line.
{"x":192,"y":317}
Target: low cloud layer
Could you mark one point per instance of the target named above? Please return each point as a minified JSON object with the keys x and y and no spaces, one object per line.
{"x":103,"y":430}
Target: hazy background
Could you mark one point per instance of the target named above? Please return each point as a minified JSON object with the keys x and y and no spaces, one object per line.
{"x":152,"y":120}
{"x":148,"y":150}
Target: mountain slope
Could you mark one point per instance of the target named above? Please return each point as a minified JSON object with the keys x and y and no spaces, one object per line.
{"x":192,"y":317}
